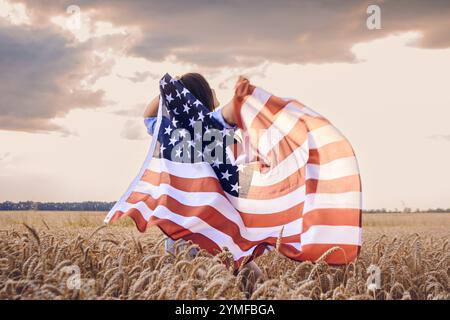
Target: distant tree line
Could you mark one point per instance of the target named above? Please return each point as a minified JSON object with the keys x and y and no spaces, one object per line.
{"x":106,"y":206}
{"x":56,"y":206}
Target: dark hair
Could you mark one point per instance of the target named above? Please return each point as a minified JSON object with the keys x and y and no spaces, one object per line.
{"x":200,"y":88}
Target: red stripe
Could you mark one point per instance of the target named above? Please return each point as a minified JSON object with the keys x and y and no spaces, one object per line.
{"x":212,"y":185}
{"x":175,"y":232}
{"x":208,"y":214}
{"x":331,"y":217}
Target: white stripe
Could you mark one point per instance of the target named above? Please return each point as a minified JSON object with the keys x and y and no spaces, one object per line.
{"x":253,"y":105}
{"x":196,"y":225}
{"x":283,"y":124}
{"x":256,"y":206}
{"x":296,"y":160}
{"x":299,"y":157}
{"x":182,"y":170}
{"x":345,"y":200}
{"x":296,"y":245}
{"x":324,"y":135}
{"x":222,"y":205}
{"x":281,"y":203}
{"x":332,"y":234}
{"x":193,"y":224}
{"x":333,"y":170}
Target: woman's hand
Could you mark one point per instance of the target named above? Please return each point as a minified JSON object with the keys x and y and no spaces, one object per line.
{"x":228,"y":109}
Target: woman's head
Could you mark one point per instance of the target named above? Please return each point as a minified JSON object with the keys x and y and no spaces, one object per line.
{"x":200,"y":88}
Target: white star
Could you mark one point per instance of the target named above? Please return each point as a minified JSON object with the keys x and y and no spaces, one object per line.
{"x":208,"y":130}
{"x":191,"y":143}
{"x":198,"y":136}
{"x":162,"y":148}
{"x":200,"y":154}
{"x":219,"y":143}
{"x":225,"y":132}
{"x":168,"y":130}
{"x":174,"y":122}
{"x":216,"y":163}
{"x":186,"y":108}
{"x":178,"y":153}
{"x":183,"y":133}
{"x":185,"y":91}
{"x":175,"y":112}
{"x":169,"y":98}
{"x":192,"y":122}
{"x":226,"y":175}
{"x":197,"y":103}
{"x":210,"y":114}
{"x":172,"y":80}
{"x":178,"y":94}
{"x":201,"y":117}
{"x":172,"y":141}
{"x":162,"y":83}
{"x":207,"y":150}
{"x":235,"y":187}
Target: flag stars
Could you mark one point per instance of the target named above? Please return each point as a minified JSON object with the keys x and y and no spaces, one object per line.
{"x":174,"y":122}
{"x":191,"y":143}
{"x":225,"y":132}
{"x":186,"y":108}
{"x":226,"y":175}
{"x":168,"y":130}
{"x":169,"y":98}
{"x":201,"y":117}
{"x":216,"y":163}
{"x":163,"y":83}
{"x":192,"y":122}
{"x":235,"y":187}
{"x":197,"y":103}
{"x":161,"y":149}
{"x":219,"y":143}
{"x":183,"y":133}
{"x":172,"y":140}
{"x":184,"y":92}
{"x":178,"y":94}
{"x":178,"y":153}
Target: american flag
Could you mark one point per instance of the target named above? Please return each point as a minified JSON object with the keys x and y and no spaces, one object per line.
{"x":288,"y":171}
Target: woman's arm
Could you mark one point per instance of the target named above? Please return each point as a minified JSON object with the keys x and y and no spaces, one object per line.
{"x":228,"y":109}
{"x":152,"y":108}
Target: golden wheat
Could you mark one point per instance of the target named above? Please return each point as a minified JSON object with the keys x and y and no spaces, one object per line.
{"x":44,"y":260}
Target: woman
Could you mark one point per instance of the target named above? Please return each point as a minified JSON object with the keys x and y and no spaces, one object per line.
{"x":200,"y":88}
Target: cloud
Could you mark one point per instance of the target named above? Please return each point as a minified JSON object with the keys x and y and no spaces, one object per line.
{"x":444,"y":137}
{"x":132,"y":130}
{"x":140,"y":76}
{"x":213,"y":34}
{"x":40,"y":78}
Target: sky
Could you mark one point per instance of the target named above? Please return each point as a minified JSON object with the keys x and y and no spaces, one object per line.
{"x":75,"y":77}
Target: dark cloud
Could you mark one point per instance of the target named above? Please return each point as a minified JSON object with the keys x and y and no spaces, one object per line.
{"x":40,"y":75}
{"x":234,"y":32}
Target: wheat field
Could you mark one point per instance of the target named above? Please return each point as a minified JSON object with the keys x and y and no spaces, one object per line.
{"x":70,"y":255}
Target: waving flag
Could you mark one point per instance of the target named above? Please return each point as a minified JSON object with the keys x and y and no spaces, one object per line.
{"x":290,"y":172}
